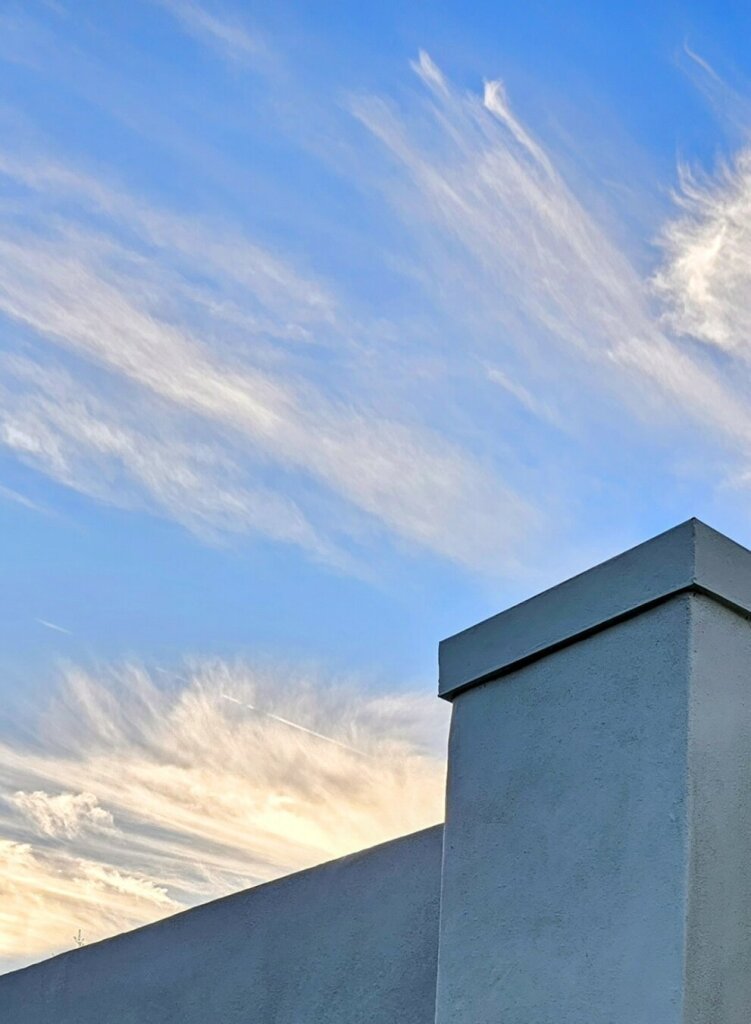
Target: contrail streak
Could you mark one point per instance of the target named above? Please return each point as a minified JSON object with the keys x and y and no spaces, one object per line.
{"x":295,"y":725}
{"x":52,"y":625}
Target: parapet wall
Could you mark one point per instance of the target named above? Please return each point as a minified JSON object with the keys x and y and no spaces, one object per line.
{"x":351,"y":942}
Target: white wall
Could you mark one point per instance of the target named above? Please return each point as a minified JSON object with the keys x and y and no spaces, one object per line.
{"x":564,"y":886}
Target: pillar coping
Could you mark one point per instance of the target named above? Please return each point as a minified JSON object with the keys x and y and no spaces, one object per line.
{"x":689,"y":558}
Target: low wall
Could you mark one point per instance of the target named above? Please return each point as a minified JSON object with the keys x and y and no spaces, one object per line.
{"x":351,"y":942}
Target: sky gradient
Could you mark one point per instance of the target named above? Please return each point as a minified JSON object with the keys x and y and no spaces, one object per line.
{"x":328,"y":330}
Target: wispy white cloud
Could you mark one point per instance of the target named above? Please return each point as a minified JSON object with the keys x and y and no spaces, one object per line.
{"x":729,"y":104}
{"x":537,"y":405}
{"x":209,"y":378}
{"x":227,"y":35}
{"x":173,"y":794}
{"x":134,"y":454}
{"x":705,"y":279}
{"x":115,"y":306}
{"x":9,"y":494}
{"x":700,"y":62}
{"x":547,"y":286}
{"x":509,"y":222}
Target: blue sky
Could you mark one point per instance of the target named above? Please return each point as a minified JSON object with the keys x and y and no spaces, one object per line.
{"x":328,"y":330}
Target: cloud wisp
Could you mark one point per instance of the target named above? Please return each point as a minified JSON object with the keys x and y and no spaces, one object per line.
{"x":705,"y":279}
{"x":65,"y":816}
{"x":230,"y":38}
{"x":218,"y":370}
{"x":136,"y":799}
{"x":550,"y":292}
{"x":212,"y":378}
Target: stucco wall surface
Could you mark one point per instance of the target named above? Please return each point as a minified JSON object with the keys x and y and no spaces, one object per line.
{"x":718,"y":918}
{"x":565,"y":860}
{"x":350,"y":942}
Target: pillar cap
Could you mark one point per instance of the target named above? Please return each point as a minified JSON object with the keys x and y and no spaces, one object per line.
{"x":691,"y":557}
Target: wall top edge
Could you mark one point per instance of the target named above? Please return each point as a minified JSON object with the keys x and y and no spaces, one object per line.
{"x":691,"y":556}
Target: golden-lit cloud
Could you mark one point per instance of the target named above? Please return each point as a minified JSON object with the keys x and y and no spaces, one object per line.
{"x":143,"y":793}
{"x":66,"y":815}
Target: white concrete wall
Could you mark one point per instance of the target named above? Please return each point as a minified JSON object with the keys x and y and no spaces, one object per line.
{"x":565,"y":840}
{"x":718,"y":921}
{"x":351,"y":942}
{"x":597,"y":845}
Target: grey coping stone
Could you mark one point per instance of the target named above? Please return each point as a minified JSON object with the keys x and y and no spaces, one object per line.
{"x":691,"y":557}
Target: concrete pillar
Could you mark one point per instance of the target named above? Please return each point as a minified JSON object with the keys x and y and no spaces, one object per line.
{"x":597,"y":849}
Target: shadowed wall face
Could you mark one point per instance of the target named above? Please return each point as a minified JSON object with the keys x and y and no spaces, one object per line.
{"x":718,"y":942}
{"x":352,"y":942}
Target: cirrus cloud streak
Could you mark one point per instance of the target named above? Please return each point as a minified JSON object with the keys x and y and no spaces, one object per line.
{"x":138,"y":798}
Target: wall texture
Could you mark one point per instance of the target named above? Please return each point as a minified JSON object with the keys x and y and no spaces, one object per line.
{"x":565,"y":858}
{"x":351,"y":942}
{"x":718,"y":913}
{"x":597,"y":845}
